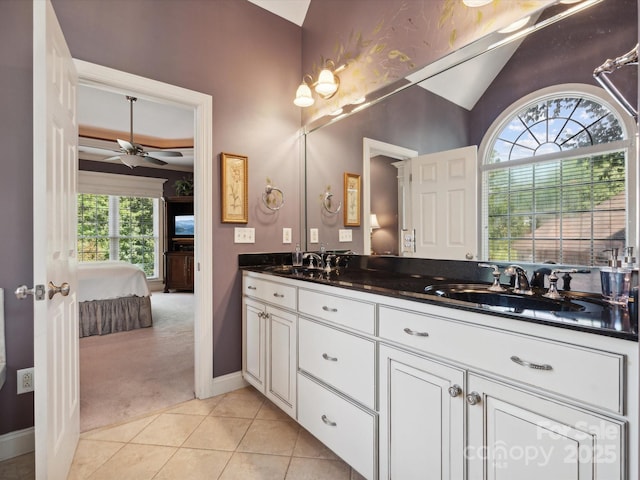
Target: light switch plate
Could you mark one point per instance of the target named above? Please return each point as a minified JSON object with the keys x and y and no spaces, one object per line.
{"x":345,"y":235}
{"x":286,"y":235}
{"x":244,"y":235}
{"x":313,"y":235}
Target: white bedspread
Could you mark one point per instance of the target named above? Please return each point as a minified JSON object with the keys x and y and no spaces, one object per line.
{"x":107,"y":280}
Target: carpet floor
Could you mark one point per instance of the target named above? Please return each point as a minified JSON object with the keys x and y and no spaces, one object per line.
{"x":127,"y":374}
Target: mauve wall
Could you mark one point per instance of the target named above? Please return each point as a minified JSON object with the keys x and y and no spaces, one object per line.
{"x":245,"y":57}
{"x":16,"y":263}
{"x":606,"y":30}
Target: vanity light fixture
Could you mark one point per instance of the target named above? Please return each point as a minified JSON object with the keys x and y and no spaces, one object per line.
{"x":359,"y":101}
{"x":326,"y":86}
{"x":515,"y":26}
{"x":476,"y":3}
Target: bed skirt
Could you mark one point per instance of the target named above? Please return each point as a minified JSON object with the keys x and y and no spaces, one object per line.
{"x":99,"y":317}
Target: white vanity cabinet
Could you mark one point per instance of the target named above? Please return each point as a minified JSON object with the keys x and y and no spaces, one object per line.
{"x":269,"y":341}
{"x":421,"y":417}
{"x":404,"y":390}
{"x":514,"y":433}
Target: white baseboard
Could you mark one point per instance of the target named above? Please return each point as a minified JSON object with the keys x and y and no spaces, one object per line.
{"x":227,"y":383}
{"x":14,"y":444}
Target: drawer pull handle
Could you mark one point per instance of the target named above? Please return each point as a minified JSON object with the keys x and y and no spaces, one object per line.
{"x":408,"y":331}
{"x":278,"y":295}
{"x":535,"y":366}
{"x":328,"y":422}
{"x":454,"y":390}
{"x":251,"y":287}
{"x":473,"y":398}
{"x":327,"y":357}
{"x":329,"y":309}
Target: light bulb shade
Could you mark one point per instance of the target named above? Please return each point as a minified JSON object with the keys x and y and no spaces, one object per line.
{"x":131,"y":160}
{"x":326,"y":83}
{"x":476,"y":3}
{"x":303,"y":96}
{"x":374,"y":221}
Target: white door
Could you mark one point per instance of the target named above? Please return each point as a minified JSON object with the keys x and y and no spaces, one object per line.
{"x":55,"y":133}
{"x":421,"y":417}
{"x":444,"y":199}
{"x":517,"y":435}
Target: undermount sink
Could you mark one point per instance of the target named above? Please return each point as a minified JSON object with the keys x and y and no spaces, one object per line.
{"x":291,"y":270}
{"x":480,"y":294}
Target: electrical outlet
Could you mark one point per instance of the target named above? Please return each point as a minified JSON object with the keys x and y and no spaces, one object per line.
{"x":25,"y":380}
{"x":244,"y":235}
{"x":286,"y":235}
{"x":313,"y":235}
{"x":345,"y":235}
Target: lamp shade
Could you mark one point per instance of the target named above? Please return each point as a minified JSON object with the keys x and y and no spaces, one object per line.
{"x":303,"y":96}
{"x":476,"y":3}
{"x":326,"y":83}
{"x":374,"y":221}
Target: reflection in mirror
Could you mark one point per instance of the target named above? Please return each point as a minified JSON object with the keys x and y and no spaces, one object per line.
{"x":455,"y":109}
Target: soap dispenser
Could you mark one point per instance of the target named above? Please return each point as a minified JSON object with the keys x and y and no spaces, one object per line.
{"x":296,"y":256}
{"x":615,"y":280}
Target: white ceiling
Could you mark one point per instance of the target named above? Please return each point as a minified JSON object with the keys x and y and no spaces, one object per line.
{"x":293,"y":10}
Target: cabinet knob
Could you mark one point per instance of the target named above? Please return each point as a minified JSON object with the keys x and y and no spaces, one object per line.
{"x":473,"y":398}
{"x":454,"y":390}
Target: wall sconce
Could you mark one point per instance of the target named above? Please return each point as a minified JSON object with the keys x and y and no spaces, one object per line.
{"x":326,"y":86}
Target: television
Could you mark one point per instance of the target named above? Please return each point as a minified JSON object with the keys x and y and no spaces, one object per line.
{"x":183,"y":225}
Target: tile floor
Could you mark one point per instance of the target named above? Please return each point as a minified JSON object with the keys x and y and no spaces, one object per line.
{"x":239,"y":435}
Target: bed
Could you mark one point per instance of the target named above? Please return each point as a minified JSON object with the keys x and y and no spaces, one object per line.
{"x":113,"y":297}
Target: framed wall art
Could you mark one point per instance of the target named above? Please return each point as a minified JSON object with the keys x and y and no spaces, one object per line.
{"x":351,"y":200}
{"x":234,"y":178}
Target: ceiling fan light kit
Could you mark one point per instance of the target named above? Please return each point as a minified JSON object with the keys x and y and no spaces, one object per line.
{"x":132,"y":154}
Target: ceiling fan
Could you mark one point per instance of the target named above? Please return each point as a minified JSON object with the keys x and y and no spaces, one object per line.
{"x":132,"y":154}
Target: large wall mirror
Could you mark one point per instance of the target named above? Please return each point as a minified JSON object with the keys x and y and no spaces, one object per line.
{"x":455,"y":107}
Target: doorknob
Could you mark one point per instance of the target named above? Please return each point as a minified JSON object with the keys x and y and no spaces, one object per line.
{"x":23,"y":292}
{"x":62,"y":289}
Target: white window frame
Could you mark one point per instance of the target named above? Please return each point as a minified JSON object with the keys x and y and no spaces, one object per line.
{"x":572,"y":89}
{"x":99,"y":183}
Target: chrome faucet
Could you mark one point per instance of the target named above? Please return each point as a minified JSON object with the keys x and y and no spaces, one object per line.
{"x":521,"y":284}
{"x":496,"y":287}
{"x":314,"y":256}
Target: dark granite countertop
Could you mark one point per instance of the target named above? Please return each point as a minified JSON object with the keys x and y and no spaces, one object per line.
{"x":585,"y":312}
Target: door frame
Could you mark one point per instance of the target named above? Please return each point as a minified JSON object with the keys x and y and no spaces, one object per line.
{"x":372,"y":148}
{"x":105,"y":78}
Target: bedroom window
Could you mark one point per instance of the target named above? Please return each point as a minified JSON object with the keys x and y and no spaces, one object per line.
{"x":555,"y":178}
{"x":119,"y":228}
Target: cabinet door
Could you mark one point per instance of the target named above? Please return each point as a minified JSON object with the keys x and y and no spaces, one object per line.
{"x":281,"y":359}
{"x":253,"y":344}
{"x":515,"y":434}
{"x":421,"y":421}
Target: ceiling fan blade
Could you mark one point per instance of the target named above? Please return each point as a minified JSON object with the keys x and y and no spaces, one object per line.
{"x":126,"y":146}
{"x":166,"y":153}
{"x":154,"y":160}
{"x":111,"y":159}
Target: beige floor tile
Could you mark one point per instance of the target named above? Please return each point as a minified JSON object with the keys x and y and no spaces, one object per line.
{"x":218,"y":433}
{"x":134,"y":462}
{"x":194,"y":464}
{"x":169,"y":429}
{"x":91,"y":455}
{"x":317,"y":469}
{"x":119,"y":433}
{"x":251,"y":466}
{"x":273,"y":437}
{"x":240,"y":405}
{"x":269,"y":411}
{"x":197,"y":407}
{"x":309,"y":446}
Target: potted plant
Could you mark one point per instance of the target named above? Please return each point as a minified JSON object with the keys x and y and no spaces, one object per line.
{"x":184,"y":187}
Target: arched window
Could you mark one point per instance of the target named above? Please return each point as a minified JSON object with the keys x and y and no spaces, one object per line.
{"x":555,"y":178}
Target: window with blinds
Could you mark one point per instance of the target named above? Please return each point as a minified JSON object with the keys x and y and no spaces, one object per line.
{"x":554,"y":182}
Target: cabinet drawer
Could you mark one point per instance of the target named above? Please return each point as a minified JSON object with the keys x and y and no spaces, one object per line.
{"x":343,"y":427}
{"x":344,"y":361}
{"x":592,"y":377}
{"x":272,"y":292}
{"x":344,"y":311}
